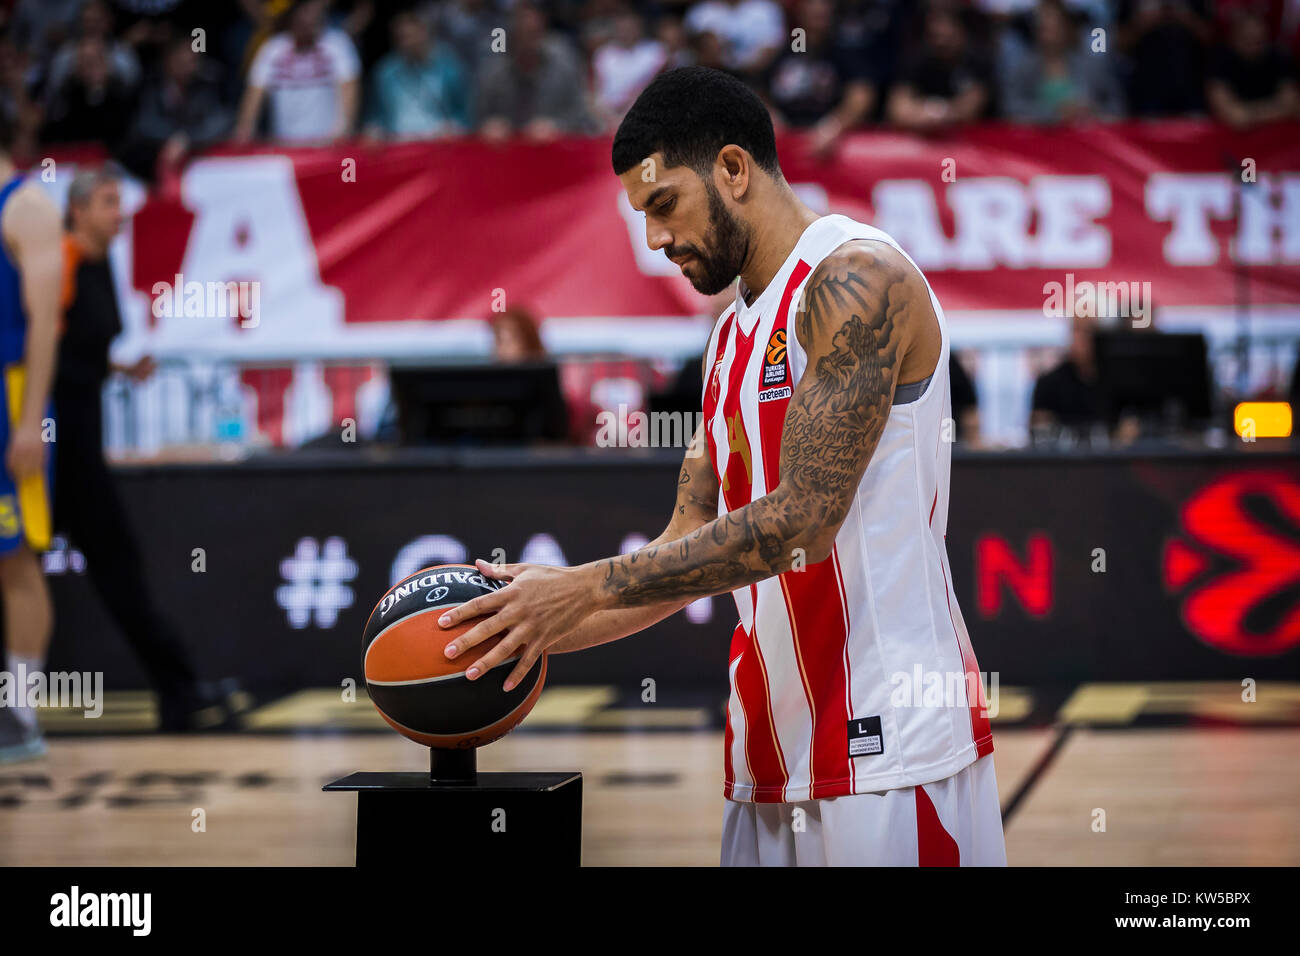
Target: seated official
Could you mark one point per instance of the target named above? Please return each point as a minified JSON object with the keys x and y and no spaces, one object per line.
{"x":1067,"y":396}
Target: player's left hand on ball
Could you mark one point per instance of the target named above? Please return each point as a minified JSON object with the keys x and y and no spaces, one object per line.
{"x":538,"y":607}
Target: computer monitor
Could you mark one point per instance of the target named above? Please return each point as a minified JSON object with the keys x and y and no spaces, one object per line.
{"x":1160,"y":377}
{"x":479,"y":404}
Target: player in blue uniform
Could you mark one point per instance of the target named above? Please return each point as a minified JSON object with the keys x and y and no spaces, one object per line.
{"x":31,"y":278}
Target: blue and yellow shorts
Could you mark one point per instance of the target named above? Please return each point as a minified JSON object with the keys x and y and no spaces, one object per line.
{"x":24,"y":506}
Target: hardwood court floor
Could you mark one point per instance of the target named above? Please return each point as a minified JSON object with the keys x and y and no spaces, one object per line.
{"x":1178,"y":796}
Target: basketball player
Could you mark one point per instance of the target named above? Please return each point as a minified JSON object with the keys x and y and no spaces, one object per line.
{"x":816,"y":491}
{"x":31,"y":266}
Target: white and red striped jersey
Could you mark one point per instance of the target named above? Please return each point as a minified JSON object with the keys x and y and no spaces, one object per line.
{"x":854,"y":674}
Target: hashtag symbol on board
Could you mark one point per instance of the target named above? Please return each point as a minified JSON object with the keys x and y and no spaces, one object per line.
{"x":316,"y":582}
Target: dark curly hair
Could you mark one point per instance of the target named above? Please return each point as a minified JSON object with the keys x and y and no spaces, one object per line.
{"x":689,"y":114}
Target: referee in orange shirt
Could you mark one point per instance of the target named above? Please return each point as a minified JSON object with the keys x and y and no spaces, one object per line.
{"x":87,"y":506}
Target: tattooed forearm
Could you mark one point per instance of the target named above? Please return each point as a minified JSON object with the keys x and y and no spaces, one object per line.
{"x":849,"y":325}
{"x":743,"y":546}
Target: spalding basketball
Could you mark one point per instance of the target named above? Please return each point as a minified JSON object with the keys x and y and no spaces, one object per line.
{"x":416,"y":688}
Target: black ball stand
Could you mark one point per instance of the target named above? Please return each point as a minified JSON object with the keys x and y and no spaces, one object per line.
{"x":453,"y":768}
{"x":459,"y":817}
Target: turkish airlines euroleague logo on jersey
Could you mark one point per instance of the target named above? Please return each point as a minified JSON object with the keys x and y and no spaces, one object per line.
{"x":774,"y":359}
{"x":1238,"y":566}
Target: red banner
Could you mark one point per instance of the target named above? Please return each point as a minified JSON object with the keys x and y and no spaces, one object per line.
{"x":331,"y":239}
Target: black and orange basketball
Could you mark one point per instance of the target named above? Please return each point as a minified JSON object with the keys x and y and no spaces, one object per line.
{"x":416,"y":688}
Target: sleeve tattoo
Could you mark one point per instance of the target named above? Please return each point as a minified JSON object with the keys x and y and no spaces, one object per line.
{"x":849,"y":324}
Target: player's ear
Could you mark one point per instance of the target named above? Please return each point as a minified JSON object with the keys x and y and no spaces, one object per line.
{"x":733,"y":170}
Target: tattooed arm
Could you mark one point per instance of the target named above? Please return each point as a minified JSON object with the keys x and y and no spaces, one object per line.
{"x":854,"y":328}
{"x":863,"y":307}
{"x":696,"y":505}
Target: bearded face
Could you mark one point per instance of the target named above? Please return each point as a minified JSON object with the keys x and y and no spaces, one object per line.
{"x":719,"y":258}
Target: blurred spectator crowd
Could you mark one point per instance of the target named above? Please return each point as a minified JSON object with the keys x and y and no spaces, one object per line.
{"x":154,"y":80}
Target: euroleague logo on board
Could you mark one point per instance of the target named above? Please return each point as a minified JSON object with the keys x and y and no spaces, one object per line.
{"x":1239,"y":563}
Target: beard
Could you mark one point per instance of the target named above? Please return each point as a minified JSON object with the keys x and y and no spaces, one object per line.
{"x":728,"y":243}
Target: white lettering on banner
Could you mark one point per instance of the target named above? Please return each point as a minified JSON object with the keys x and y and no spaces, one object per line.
{"x":249,"y":236}
{"x":1267,"y":228}
{"x":992,"y":219}
{"x":1268,"y":231}
{"x":908,"y":211}
{"x":249,"y":225}
{"x":1189,"y":201}
{"x":1068,"y":207}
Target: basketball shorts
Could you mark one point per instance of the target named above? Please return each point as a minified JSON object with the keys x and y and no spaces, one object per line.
{"x":952,"y":822}
{"x":25,"y":516}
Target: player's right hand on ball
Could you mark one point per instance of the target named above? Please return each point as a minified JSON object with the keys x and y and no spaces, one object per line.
{"x":539,"y":606}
